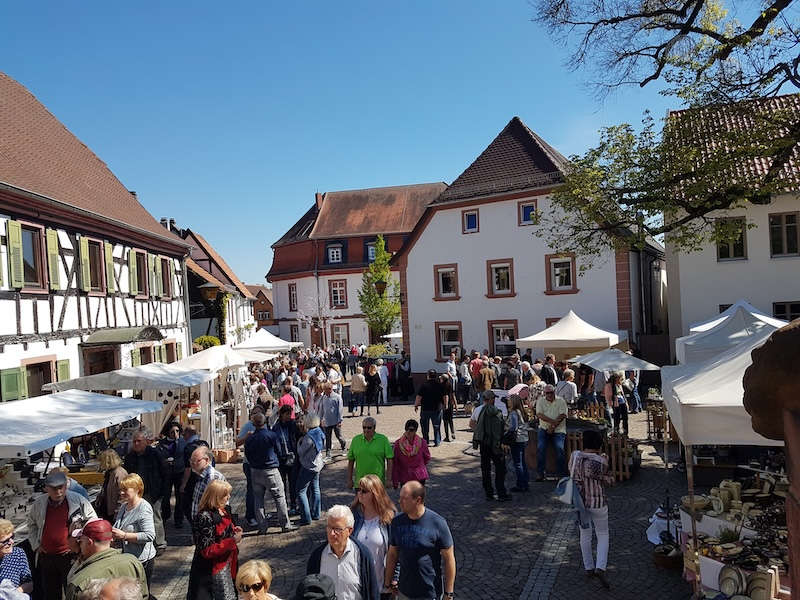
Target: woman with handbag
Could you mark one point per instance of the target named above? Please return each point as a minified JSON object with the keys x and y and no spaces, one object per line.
{"x":309,"y":453}
{"x":589,"y":471}
{"x":108,"y":500}
{"x":518,"y":426}
{"x":411,"y":455}
{"x":134,"y":529}
{"x":614,"y":394}
{"x":286,"y":428}
{"x":374,"y":388}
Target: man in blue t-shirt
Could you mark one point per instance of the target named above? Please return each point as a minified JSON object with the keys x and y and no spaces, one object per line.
{"x":420,"y":540}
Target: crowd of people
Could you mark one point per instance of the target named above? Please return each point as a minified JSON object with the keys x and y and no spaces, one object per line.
{"x":107,"y":548}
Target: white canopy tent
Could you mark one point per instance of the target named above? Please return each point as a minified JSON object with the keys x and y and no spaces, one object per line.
{"x":35,"y":424}
{"x":705,"y":400}
{"x":570,"y":336}
{"x":735,"y":328}
{"x":264,"y":341}
{"x":731,"y":310}
{"x":397,"y":335}
{"x":153,"y":376}
{"x":614,"y":359}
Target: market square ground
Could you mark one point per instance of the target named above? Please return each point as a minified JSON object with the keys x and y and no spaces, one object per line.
{"x":524,"y":549}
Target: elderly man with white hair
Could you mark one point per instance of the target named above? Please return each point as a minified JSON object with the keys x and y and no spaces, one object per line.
{"x":344,"y":559}
{"x":383,"y":373}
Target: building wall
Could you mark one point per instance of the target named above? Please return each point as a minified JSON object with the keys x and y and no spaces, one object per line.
{"x":262,"y":303}
{"x":499,"y":236}
{"x":699,"y":283}
{"x":50,"y":324}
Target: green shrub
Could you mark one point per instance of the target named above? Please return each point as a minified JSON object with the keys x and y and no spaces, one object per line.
{"x":376,"y":350}
{"x":206,"y":341}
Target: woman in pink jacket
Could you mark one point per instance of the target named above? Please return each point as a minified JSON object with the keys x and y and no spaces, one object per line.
{"x":411,"y":454}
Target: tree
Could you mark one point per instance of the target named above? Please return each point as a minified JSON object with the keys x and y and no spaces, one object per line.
{"x":639,"y":184}
{"x":381,"y":311}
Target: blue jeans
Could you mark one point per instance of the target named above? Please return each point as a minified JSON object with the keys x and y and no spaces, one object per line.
{"x":249,"y":498}
{"x":520,"y":466}
{"x":558,"y":440}
{"x":309,"y":481}
{"x":425,"y":417}
{"x":637,"y":401}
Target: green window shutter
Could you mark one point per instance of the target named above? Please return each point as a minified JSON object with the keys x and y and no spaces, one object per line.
{"x":151,"y":271}
{"x":162,"y":353}
{"x":111,"y":285}
{"x":16,"y":268}
{"x":133,"y":279}
{"x":62,"y":370}
{"x":172,"y":286}
{"x":159,"y":281}
{"x":53,"y":272}
{"x":178,"y":351}
{"x":23,"y":374}
{"x":156,"y":353}
{"x":11,"y":384}
{"x":136,"y":357}
{"x":86,"y":275}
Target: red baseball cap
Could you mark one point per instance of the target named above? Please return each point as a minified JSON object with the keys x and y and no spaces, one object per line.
{"x":98,"y":530}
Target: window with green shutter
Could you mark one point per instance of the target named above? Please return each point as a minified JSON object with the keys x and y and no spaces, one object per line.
{"x":173,"y":288}
{"x":111,"y":284}
{"x":159,"y":283}
{"x":16,"y":266}
{"x":13,"y":384}
{"x":53,"y":270}
{"x":62,"y":370}
{"x":151,"y":270}
{"x":86,"y":272}
{"x":133,"y":280}
{"x":178,"y":351}
{"x":136,"y":357}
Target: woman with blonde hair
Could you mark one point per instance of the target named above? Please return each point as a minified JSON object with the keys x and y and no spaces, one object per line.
{"x":615,"y":398}
{"x":518,"y":423}
{"x":108,"y":500}
{"x":216,"y":546}
{"x":134,"y":527}
{"x":13,"y":561}
{"x":373,"y":512}
{"x":253,"y":581}
{"x":358,"y":387}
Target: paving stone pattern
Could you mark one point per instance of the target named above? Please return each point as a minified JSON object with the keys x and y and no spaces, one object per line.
{"x":524,"y":549}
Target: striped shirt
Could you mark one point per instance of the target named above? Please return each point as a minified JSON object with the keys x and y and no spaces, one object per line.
{"x":590,"y":472}
{"x":202,"y":483}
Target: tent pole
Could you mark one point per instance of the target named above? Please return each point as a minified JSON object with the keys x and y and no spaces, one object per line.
{"x":690,"y":483}
{"x":666,"y":447}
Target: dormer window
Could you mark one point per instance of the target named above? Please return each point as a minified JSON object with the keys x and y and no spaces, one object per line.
{"x":335,"y":253}
{"x":371,"y":252}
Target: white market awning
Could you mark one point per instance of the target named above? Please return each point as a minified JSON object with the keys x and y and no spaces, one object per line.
{"x":570,"y":332}
{"x":614,"y":359}
{"x":153,"y":376}
{"x":393,"y":336}
{"x":730,"y":311}
{"x":264,"y":341}
{"x":705,"y":400}
{"x":35,"y":424}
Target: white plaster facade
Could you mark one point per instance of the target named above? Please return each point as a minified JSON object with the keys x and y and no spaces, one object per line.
{"x":499,"y":236}
{"x":48,"y":326}
{"x":700,"y":283}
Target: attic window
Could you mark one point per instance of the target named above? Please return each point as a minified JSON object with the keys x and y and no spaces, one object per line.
{"x":469,"y":221}
{"x":335,"y":253}
{"x":371,"y":252}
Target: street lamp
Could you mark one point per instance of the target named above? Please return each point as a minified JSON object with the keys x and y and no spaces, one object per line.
{"x":380,"y":287}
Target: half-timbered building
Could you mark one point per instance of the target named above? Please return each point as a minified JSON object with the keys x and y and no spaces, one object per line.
{"x":89,"y":280}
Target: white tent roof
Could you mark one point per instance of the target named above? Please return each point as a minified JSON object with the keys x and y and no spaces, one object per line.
{"x":217,"y":358}
{"x":571,"y":331}
{"x":36,"y":424}
{"x":705,"y":400}
{"x":614,"y":359}
{"x":393,"y":336}
{"x":732,"y":309}
{"x":153,"y":376}
{"x":729,"y":331}
{"x":254,"y":356}
{"x":264,"y":341}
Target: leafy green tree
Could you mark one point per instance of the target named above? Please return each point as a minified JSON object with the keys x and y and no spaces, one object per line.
{"x":380,"y":311}
{"x":720,"y":60}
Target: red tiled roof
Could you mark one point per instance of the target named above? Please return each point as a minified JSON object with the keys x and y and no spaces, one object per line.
{"x":375,"y":210}
{"x":198,"y":270}
{"x":212,"y":254}
{"x":255,"y":289}
{"x":713,"y":129}
{"x":40,"y":155}
{"x":516,"y":159}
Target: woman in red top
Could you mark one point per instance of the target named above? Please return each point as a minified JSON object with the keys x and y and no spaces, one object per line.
{"x":216,"y":551}
{"x":411,"y":454}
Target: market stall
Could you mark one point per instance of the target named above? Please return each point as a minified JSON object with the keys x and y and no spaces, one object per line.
{"x":569,"y":336}
{"x":728,"y":312}
{"x":264,"y":341}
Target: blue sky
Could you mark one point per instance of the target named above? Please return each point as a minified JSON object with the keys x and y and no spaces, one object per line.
{"x":229,"y":116}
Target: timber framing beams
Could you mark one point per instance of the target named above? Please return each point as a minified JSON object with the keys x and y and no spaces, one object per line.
{"x":62,"y":335}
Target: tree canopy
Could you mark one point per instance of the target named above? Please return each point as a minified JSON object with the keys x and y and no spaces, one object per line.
{"x":381,"y":312}
{"x":720,"y":62}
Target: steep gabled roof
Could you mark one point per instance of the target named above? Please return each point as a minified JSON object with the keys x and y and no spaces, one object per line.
{"x":516,"y":159}
{"x":301,"y":229}
{"x":224,"y":267}
{"x":255,"y":289}
{"x":208,"y":277}
{"x":375,"y":210}
{"x":39,"y":154}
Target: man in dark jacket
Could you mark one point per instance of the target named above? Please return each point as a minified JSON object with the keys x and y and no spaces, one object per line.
{"x":345,"y":560}
{"x":488,"y":436}
{"x":147,"y":463}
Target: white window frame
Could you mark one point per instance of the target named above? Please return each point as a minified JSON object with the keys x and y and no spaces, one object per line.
{"x":439,"y":274}
{"x":495,"y":342}
{"x":338,"y":288}
{"x":447,"y":347}
{"x":334,"y":254}
{"x":371,"y":252}
{"x":464,"y":227}
{"x":554,"y":274}
{"x":495,"y":290}
{"x":336,"y":338}
{"x":784,"y":237}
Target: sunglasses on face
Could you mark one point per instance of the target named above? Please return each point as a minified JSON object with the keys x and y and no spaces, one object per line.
{"x":9,"y":541}
{"x":367,"y":427}
{"x":362,"y":491}
{"x":256,"y":587}
{"x":412,"y":429}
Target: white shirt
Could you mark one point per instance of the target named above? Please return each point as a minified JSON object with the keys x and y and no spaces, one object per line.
{"x":343,"y":571}
{"x":383,"y":373}
{"x":375,"y":538}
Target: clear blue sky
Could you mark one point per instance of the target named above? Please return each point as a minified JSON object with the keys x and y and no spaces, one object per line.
{"x":228,"y":116}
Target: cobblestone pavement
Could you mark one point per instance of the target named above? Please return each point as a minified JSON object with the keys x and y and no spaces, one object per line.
{"x":524,"y":549}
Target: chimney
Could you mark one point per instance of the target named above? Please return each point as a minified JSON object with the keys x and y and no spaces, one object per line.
{"x":171,"y":224}
{"x":318,"y":197}
{"x":133,"y":193}
{"x":165,"y":222}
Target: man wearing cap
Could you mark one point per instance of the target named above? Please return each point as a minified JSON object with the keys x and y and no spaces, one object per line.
{"x":552,"y":413}
{"x":101,"y":561}
{"x":48,"y":524}
{"x":316,"y":587}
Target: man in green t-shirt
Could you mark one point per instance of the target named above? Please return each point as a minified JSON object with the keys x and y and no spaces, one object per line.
{"x":369,"y":452}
